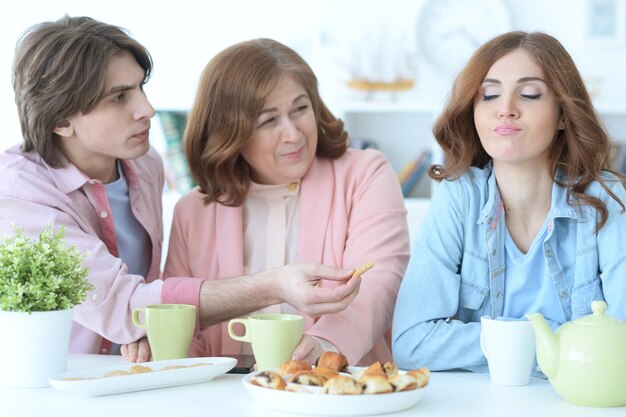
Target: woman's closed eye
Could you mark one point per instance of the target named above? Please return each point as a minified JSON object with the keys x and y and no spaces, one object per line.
{"x":267,"y":122}
{"x":301,"y":109}
{"x":487,"y":97}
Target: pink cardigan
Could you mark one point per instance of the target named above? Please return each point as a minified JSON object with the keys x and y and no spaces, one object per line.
{"x":351,"y":211}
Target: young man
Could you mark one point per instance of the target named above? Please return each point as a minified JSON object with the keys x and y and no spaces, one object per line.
{"x":86,"y":164}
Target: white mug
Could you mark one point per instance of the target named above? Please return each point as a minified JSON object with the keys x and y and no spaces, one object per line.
{"x":509,"y":347}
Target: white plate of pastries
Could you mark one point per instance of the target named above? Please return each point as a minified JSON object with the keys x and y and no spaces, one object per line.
{"x":138,"y":377}
{"x":334,"y":388}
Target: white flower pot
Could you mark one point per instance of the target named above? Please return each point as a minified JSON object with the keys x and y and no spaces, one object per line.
{"x":33,"y":347}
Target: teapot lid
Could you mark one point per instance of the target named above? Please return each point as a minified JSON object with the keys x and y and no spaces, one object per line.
{"x":598,"y":317}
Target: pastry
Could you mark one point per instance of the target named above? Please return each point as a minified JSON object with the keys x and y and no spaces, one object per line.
{"x":403,"y":382}
{"x":139,"y":369}
{"x":375,"y":384}
{"x":306,"y":378}
{"x":269,"y":379}
{"x":333,"y":360}
{"x":293,"y":367}
{"x":117,"y":372}
{"x":391,"y":369}
{"x":296,"y":388}
{"x":421,"y":376}
{"x":298,"y":376}
{"x":172,"y":367}
{"x":375,"y":369}
{"x":200,"y":364}
{"x":343,"y":385}
{"x":325,"y":373}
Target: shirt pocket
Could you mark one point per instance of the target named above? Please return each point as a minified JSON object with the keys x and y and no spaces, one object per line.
{"x":472,"y":296}
{"x":583,"y":295}
{"x":474,"y":281}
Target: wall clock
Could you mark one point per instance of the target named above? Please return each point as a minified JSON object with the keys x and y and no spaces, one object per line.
{"x":449,"y":31}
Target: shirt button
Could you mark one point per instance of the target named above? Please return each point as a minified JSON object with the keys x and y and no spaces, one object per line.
{"x":292,"y":186}
{"x":498,"y":294}
{"x":548,"y":253}
{"x":563,"y":294}
{"x":95,"y":296}
{"x":104,"y":214}
{"x":104,"y":351}
{"x":493,"y":252}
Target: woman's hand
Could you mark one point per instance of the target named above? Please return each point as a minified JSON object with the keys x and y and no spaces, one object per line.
{"x":309,"y":350}
{"x":138,"y":351}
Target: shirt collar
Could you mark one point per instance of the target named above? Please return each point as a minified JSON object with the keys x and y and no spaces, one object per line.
{"x":131,"y":174}
{"x":494,"y":206}
{"x":69,"y":178}
{"x":560,"y":205}
{"x":291,"y":188}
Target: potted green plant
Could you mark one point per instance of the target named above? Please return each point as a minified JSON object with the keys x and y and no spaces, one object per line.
{"x":40,"y":281}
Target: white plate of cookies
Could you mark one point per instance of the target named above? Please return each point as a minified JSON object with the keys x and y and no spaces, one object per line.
{"x":138,"y":377}
{"x":297,"y":387}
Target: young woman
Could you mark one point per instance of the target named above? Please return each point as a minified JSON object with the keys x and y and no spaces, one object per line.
{"x":528,"y":216}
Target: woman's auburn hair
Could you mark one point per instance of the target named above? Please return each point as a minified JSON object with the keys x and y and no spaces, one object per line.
{"x":232,"y":91}
{"x":580,"y":151}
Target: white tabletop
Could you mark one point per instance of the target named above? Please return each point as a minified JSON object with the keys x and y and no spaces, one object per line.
{"x":448,"y":394}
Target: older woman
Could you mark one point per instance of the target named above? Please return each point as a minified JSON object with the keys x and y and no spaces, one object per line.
{"x":278,"y":185}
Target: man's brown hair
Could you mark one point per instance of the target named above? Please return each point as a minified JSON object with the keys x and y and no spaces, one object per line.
{"x":59,"y":71}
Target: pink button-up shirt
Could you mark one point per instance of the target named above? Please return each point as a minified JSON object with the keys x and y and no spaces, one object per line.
{"x":32,"y":194}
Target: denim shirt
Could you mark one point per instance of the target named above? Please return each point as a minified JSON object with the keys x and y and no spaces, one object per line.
{"x":456,"y":271}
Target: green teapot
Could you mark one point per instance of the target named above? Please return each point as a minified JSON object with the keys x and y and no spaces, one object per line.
{"x":585,"y":359}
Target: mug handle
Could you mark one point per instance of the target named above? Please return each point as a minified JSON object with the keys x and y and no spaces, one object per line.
{"x":244,"y":337}
{"x":136,"y":320}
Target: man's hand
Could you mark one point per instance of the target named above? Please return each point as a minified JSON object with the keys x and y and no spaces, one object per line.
{"x":297,"y":284}
{"x":138,"y":351}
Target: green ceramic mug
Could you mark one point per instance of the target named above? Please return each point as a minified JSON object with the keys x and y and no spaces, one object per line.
{"x":274,"y":337}
{"x":169,"y":328}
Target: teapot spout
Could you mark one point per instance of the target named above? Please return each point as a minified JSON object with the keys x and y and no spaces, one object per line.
{"x":547,"y":344}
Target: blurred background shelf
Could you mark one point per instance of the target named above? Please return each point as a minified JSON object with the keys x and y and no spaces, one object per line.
{"x":401,"y":130}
